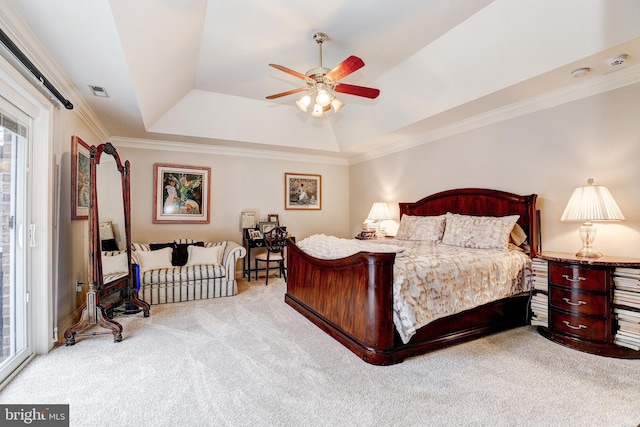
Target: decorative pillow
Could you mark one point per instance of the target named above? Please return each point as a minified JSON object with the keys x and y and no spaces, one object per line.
{"x":152,"y":260}
{"x":181,"y":254}
{"x":517,"y":236}
{"x":480,"y":232}
{"x":140,"y":247}
{"x":114,"y":263}
{"x":156,"y":246}
{"x":428,"y":228}
{"x":204,"y":256}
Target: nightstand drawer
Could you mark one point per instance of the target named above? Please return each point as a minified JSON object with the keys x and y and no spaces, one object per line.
{"x":579,"y":326}
{"x":579,"y":302}
{"x":574,"y":276}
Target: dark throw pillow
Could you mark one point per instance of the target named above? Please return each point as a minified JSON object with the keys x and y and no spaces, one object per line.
{"x":181,"y":254}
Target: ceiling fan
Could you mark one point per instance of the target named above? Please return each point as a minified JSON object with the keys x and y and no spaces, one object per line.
{"x":323,"y":82}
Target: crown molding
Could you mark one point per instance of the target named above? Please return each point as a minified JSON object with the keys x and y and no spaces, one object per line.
{"x":574,"y":92}
{"x":187,"y":147}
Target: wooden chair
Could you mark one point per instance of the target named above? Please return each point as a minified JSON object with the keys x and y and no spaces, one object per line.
{"x":274,"y":240}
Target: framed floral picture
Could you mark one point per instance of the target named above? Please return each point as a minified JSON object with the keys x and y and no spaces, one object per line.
{"x":80,"y":186}
{"x":302,"y":191}
{"x":181,"y":194}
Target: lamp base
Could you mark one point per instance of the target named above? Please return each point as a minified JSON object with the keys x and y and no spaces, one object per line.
{"x":588,"y":253}
{"x":588,"y":235}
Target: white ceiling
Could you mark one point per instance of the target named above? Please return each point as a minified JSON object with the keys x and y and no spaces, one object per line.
{"x":197,"y":71}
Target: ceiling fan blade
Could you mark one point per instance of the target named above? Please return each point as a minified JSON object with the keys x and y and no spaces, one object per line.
{"x":293,"y":73}
{"x":289,"y":92}
{"x":346,"y":67}
{"x":367,"y":92}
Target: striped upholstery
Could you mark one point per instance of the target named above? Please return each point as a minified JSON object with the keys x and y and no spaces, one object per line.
{"x":108,"y":278}
{"x":188,"y":283}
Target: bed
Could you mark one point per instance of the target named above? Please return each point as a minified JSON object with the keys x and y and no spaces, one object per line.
{"x":352,"y":300}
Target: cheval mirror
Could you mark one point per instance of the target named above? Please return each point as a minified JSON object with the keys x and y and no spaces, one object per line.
{"x":111,"y":283}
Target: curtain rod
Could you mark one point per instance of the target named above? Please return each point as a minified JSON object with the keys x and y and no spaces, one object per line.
{"x":15,"y":51}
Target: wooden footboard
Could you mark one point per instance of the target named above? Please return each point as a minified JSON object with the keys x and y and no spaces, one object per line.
{"x":351,"y":299}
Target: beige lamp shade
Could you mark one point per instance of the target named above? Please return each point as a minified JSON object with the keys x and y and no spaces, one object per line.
{"x":379,"y":212}
{"x":591,"y":203}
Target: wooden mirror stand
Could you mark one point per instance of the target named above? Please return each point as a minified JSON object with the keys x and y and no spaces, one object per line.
{"x":111,"y":290}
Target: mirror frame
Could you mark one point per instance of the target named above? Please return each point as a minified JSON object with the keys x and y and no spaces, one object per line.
{"x":102,"y":297}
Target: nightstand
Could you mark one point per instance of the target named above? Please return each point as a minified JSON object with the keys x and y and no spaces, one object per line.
{"x":582,"y":312}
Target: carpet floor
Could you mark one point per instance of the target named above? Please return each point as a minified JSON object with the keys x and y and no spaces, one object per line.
{"x":251,"y":360}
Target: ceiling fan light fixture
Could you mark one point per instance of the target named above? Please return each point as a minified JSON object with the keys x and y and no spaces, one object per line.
{"x":318,"y":111}
{"x":323,"y":98}
{"x":336,"y":104}
{"x":303,"y":103}
{"x":323,"y":82}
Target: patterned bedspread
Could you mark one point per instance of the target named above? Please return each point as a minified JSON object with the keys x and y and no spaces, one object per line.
{"x":433,"y":280}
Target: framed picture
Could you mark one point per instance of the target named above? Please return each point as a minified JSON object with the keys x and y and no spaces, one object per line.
{"x":255,"y":234}
{"x":248,"y":219}
{"x":80,"y":185}
{"x":273,"y":218}
{"x":181,"y":194}
{"x":266,"y":226}
{"x":302,"y":191}
{"x":366,"y":235}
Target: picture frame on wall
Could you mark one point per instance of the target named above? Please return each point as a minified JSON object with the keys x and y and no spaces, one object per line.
{"x":302,"y":191}
{"x":181,"y":194}
{"x":80,"y":181}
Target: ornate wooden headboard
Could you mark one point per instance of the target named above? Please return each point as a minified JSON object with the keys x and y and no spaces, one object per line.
{"x":480,"y":201}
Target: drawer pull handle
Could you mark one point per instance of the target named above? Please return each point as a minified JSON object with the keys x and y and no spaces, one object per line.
{"x":574,"y":327}
{"x":579,"y":279}
{"x":580,"y":302}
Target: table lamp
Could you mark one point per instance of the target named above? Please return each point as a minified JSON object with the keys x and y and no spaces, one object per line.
{"x":379,"y":212}
{"x":591,"y":203}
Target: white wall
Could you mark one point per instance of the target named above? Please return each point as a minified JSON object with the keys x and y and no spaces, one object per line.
{"x":237,"y":184}
{"x":548,"y":153}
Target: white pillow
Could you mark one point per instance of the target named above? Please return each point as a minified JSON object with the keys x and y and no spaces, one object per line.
{"x":425,"y":228}
{"x":480,"y":232}
{"x":115,"y":264}
{"x":153,"y":260}
{"x":204,"y":256}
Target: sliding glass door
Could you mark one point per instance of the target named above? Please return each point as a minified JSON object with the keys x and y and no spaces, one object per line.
{"x":15,"y":239}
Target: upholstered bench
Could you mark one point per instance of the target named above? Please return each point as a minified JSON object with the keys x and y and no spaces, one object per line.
{"x":186,"y":270}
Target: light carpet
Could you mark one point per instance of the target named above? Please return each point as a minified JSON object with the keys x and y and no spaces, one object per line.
{"x":251,"y":360}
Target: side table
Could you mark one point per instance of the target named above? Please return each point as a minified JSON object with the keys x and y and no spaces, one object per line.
{"x":584,"y":310}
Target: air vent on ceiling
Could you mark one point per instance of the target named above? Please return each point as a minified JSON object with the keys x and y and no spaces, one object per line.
{"x":99,"y":91}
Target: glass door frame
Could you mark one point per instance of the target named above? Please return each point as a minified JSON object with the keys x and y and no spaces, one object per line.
{"x":42,"y":199}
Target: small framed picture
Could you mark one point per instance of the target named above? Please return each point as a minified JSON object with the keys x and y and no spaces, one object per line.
{"x":273,"y":218}
{"x":80,"y":185}
{"x":267,"y":226}
{"x":255,"y":234}
{"x":248,"y":219}
{"x":366,"y":235}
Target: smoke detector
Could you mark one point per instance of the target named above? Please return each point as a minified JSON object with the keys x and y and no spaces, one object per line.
{"x":617,"y":60}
